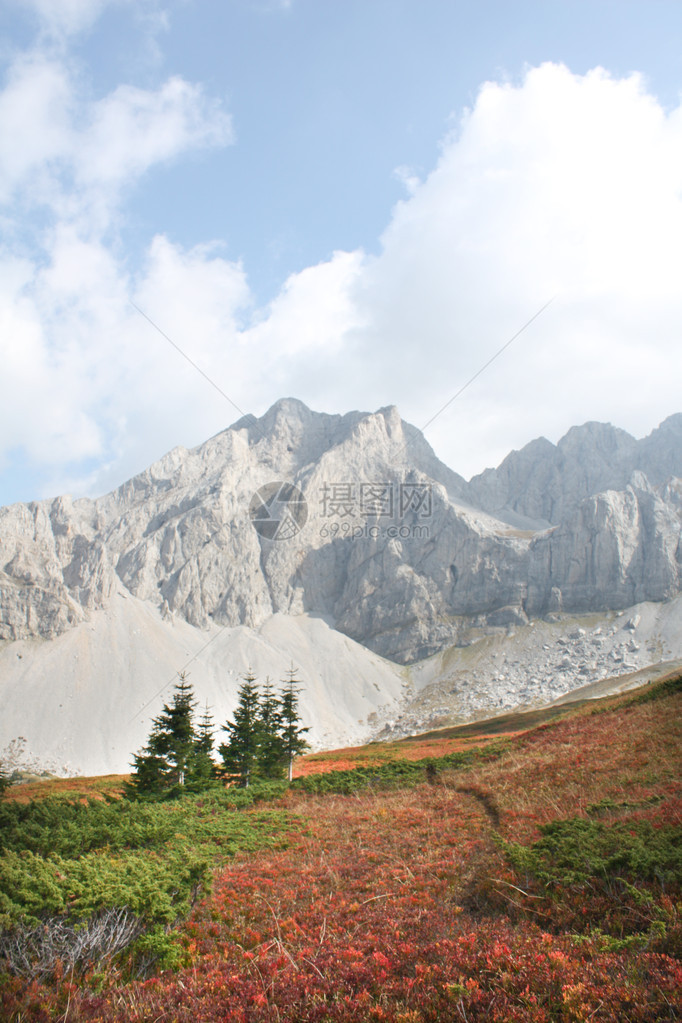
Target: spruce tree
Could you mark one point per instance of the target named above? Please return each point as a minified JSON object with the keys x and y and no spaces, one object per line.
{"x":271,"y":755}
{"x":150,"y":777}
{"x":203,"y":770}
{"x":171,"y":759}
{"x":292,"y":734}
{"x":177,"y":727}
{"x":241,"y":751}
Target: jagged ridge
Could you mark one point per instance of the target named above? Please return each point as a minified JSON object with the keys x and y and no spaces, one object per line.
{"x":406,"y":584}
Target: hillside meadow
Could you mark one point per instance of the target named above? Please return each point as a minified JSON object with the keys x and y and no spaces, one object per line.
{"x":530,"y":871}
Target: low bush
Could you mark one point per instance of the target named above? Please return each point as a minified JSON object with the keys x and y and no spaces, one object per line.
{"x":612,"y":877}
{"x":395,"y":773}
{"x":78,"y":880}
{"x":576,"y":851}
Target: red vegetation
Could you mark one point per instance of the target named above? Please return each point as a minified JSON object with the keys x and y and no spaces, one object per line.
{"x":377,"y":753}
{"x":401,"y":906}
{"x":73,"y":788}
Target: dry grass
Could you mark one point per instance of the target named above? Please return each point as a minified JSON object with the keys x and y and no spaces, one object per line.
{"x":96,"y":787}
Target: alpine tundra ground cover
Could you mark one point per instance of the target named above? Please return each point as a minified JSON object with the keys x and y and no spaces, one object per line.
{"x":536,"y":879}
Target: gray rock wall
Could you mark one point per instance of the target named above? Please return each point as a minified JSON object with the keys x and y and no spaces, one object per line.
{"x":180,"y":537}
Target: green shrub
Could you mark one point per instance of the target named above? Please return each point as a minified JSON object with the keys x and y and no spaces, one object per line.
{"x":158,"y":949}
{"x":576,"y":850}
{"x":64,"y":827}
{"x":617,"y":880}
{"x":394,"y":773}
{"x":63,"y":864}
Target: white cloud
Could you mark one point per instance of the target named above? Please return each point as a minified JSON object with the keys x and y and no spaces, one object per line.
{"x":87,"y":378}
{"x":44,"y":410}
{"x":132,"y":129}
{"x":408,"y":178}
{"x":35,"y":113}
{"x":561,"y":184}
{"x":314,"y":310}
{"x":75,"y":155}
{"x":71,"y":345}
{"x":566,"y":185}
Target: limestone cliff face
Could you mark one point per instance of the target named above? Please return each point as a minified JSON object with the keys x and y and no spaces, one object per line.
{"x":547,"y":482}
{"x":616,"y":549}
{"x":54,"y":567}
{"x":397,"y":551}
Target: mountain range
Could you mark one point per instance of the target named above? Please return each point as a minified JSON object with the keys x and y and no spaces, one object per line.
{"x":343,"y":544}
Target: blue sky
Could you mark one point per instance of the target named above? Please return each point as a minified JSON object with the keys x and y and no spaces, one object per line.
{"x":356,"y":202}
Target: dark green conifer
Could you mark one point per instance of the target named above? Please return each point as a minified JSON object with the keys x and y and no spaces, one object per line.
{"x":177,"y":734}
{"x":241,"y":751}
{"x":291,"y":731}
{"x":5,"y":780}
{"x":272,"y":755}
{"x":203,"y":770}
{"x":175,"y":756}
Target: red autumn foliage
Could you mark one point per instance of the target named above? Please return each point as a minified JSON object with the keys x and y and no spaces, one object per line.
{"x":377,"y":753}
{"x":401,"y":905}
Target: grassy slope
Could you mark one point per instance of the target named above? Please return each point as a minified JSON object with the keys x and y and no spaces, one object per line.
{"x":437,"y":742}
{"x":407,"y":905}
{"x":72,"y":788}
{"x":441,"y":741}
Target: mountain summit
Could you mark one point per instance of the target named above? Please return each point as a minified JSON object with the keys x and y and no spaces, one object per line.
{"x":353,"y":522}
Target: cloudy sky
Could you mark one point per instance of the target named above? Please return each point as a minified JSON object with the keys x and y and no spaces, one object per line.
{"x":354,"y":202}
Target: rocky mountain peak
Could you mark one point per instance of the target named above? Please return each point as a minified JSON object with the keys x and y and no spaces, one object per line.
{"x":660,"y":454}
{"x":603,"y":454}
{"x":389,"y":551}
{"x":394,"y":548}
{"x":547,"y":482}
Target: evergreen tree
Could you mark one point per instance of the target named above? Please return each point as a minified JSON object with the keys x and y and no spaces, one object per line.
{"x":291,"y":732}
{"x":150,"y":775}
{"x":177,"y":734}
{"x":272,"y":755}
{"x":176,"y":755}
{"x":203,"y":767}
{"x":241,"y":751}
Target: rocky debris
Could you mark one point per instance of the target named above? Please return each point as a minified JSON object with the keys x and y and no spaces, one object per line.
{"x":536,"y":666}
